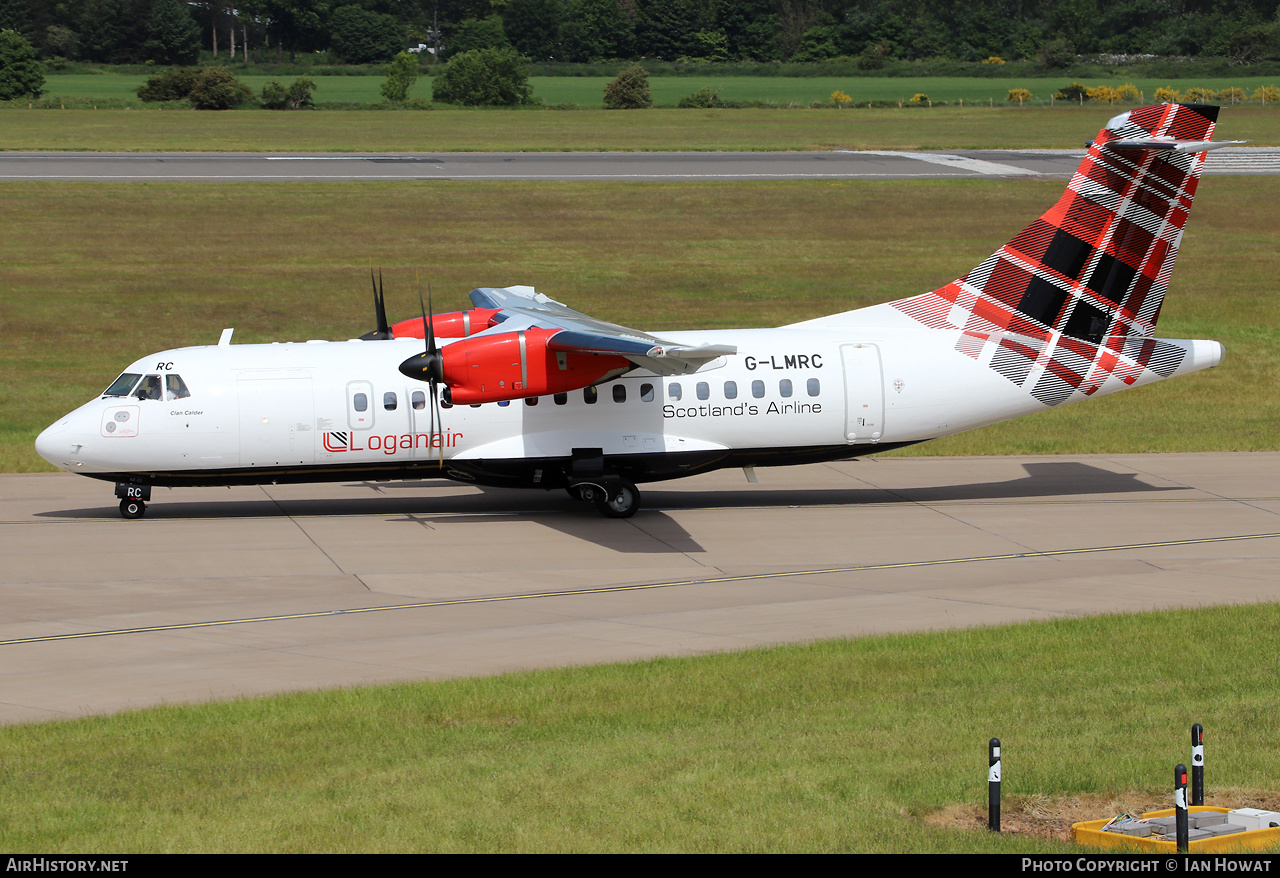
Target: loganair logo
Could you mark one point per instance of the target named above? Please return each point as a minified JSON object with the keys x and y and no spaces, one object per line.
{"x":391,"y":443}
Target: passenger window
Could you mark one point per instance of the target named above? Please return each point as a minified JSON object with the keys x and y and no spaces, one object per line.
{"x":149,"y":388}
{"x":646,"y":393}
{"x":590,"y":395}
{"x":704,"y":390}
{"x":175,"y":387}
{"x":814,"y":387}
{"x":361,"y":402}
{"x":784,"y":388}
{"x":619,"y":393}
{"x":757,"y":389}
{"x":731,"y":390}
{"x":122,"y":385}
{"x":561,"y":398}
{"x":674,"y":391}
{"x":389,"y":401}
{"x":419,"y":400}
{"x":445,"y":404}
{"x":531,"y":401}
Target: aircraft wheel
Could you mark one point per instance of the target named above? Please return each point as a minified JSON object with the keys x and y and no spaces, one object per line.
{"x":132,"y":508}
{"x":622,"y":502}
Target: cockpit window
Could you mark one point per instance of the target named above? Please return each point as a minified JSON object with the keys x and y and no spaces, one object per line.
{"x":175,"y":387}
{"x":122,"y":385}
{"x":148,"y":388}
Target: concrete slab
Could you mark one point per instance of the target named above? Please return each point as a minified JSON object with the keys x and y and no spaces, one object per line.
{"x":221,"y":593}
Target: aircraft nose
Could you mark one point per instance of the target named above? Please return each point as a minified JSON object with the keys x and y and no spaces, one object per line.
{"x":52,"y":444}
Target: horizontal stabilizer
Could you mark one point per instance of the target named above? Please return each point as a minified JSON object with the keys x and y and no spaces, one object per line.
{"x":1174,"y":145}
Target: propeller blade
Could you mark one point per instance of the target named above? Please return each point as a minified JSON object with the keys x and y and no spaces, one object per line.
{"x":383,"y":330}
{"x":380,"y":308}
{"x":429,"y":364}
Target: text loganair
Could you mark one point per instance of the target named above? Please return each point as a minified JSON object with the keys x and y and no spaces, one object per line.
{"x":391,"y":443}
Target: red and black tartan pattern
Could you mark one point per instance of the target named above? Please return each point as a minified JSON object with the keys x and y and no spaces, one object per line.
{"x":1074,"y":298}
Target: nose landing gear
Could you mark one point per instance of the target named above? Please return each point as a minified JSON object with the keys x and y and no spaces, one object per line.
{"x":133,"y":499}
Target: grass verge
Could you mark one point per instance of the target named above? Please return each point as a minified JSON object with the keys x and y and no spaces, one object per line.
{"x":502,"y":130}
{"x":850,"y":745}
{"x":93,"y":276}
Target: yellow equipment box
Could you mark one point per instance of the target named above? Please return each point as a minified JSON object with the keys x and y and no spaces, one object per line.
{"x":1090,"y":833}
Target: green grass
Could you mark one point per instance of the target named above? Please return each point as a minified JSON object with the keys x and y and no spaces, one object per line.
{"x":588,"y":91}
{"x":582,"y":130}
{"x":93,"y":276}
{"x":833,"y":746}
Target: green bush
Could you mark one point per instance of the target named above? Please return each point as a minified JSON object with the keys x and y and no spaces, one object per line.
{"x":703,"y":98}
{"x":296,"y":96}
{"x":171,"y":85}
{"x":629,"y":91}
{"x":218,"y":89}
{"x":21,"y":73}
{"x":1075,"y":92}
{"x":484,"y":78}
{"x":208,"y":88}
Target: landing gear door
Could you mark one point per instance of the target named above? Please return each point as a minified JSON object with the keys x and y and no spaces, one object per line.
{"x":864,"y":393}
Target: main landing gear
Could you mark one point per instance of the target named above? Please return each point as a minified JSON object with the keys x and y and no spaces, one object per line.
{"x":587,"y":479}
{"x":618,"y":498}
{"x":132,"y":509}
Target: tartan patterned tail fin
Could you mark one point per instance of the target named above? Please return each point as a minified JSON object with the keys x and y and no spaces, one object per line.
{"x":1084,"y":283}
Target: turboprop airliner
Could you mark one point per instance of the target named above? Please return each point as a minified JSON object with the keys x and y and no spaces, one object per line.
{"x":522,"y":391}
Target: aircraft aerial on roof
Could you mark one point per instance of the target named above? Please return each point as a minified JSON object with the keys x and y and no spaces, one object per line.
{"x":523,"y":391}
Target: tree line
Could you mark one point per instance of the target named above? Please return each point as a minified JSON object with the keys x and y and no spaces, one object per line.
{"x":872,"y":31}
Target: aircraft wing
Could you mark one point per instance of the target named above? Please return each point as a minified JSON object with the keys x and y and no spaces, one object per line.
{"x":523,"y":308}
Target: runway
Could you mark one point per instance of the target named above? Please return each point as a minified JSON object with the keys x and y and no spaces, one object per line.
{"x":598,"y":166}
{"x":221,"y":593}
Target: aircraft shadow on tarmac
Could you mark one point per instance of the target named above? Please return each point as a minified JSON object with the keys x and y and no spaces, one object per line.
{"x":652,"y":530}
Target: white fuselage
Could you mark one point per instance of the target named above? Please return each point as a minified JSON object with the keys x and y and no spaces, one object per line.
{"x":318,"y":411}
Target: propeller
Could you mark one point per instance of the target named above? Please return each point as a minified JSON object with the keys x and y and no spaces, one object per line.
{"x":379,"y":309}
{"x":428,"y":366}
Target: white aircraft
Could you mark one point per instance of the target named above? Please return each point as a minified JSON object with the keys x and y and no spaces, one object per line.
{"x":538,"y":395}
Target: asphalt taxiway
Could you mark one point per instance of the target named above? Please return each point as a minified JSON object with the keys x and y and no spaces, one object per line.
{"x":226,"y":592}
{"x":595,"y":166}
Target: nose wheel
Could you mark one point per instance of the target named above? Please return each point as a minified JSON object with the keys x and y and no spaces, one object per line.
{"x":132,"y":509}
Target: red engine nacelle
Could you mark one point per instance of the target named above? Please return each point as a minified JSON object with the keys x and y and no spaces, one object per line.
{"x":514,"y":365}
{"x":456,"y":324}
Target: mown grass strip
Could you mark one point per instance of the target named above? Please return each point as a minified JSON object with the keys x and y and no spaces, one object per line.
{"x":93,"y":276}
{"x":832,"y":746}
{"x":502,"y":130}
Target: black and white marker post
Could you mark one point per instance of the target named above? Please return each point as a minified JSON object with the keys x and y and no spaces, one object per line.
{"x":1181,"y":822}
{"x":1197,"y":764}
{"x":993,"y":785}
